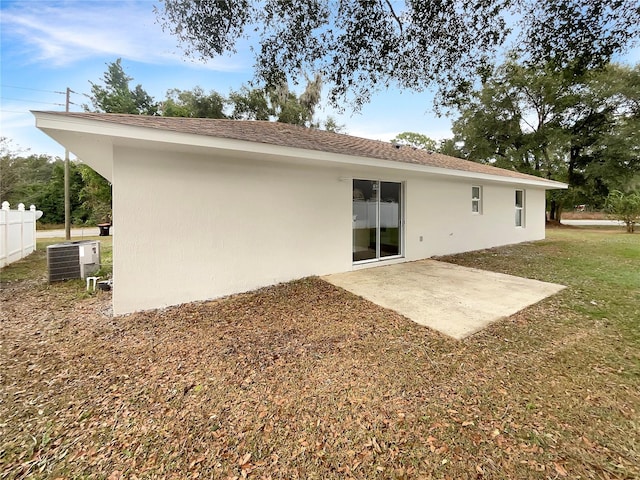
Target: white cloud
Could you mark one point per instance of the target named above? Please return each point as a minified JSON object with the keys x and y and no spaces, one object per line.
{"x":66,"y":33}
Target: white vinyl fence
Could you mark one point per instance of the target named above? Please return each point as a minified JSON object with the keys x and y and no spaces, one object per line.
{"x":17,"y":232}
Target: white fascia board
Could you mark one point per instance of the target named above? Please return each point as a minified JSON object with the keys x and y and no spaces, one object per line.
{"x":191,"y":140}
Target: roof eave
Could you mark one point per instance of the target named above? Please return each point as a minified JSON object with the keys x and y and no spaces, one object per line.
{"x":119,"y":133}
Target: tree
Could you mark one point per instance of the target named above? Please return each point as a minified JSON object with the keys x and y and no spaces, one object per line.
{"x":23,"y":177}
{"x":116,"y":97}
{"x":94,"y":195}
{"x":558,"y":125}
{"x":250,"y":104}
{"x":605,"y":145}
{"x":449,"y":146}
{"x":278,"y":103}
{"x":513,"y":120}
{"x":331,"y":125}
{"x":51,"y":195}
{"x":39,"y":180}
{"x":193,"y":103}
{"x":359,"y":46}
{"x":624,"y":207}
{"x":415,"y":140}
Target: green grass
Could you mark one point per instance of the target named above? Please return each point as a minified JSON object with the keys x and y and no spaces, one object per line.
{"x":602,"y":267}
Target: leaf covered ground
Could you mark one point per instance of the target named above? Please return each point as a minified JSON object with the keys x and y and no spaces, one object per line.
{"x":305,"y":380}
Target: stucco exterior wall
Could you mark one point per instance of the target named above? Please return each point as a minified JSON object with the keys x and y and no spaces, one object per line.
{"x":193,"y":227}
{"x":440,"y":212}
{"x":196,"y":226}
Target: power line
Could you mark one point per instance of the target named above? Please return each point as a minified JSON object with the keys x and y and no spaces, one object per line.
{"x":46,"y":91}
{"x":32,"y":89}
{"x":30,"y":101}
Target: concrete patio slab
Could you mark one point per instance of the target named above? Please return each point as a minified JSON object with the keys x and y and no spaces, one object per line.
{"x":457,"y":301}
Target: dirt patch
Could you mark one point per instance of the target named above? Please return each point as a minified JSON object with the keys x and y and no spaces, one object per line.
{"x":585,"y":215}
{"x":556,"y":224}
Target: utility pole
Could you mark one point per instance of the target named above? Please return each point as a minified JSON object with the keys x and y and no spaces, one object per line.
{"x":67,"y":196}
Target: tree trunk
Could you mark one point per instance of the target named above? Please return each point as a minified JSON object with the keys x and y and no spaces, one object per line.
{"x":555,"y":211}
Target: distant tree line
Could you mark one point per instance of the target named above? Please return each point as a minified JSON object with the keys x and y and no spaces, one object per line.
{"x":275,"y":103}
{"x":579,"y":126}
{"x":583,"y":129}
{"x":39,"y":179}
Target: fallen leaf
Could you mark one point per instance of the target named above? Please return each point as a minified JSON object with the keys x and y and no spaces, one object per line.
{"x":587,"y":442}
{"x":560,"y":470}
{"x":245,"y":459}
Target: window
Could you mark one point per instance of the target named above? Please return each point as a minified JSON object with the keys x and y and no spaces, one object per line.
{"x":519,"y":208}
{"x":476,"y":199}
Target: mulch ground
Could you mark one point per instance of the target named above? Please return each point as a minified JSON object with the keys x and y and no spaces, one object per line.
{"x":301,"y":380}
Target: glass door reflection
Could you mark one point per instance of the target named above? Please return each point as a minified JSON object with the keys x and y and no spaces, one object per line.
{"x":365,"y":220}
{"x":377,"y":219}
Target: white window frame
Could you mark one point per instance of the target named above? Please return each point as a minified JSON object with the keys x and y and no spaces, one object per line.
{"x":519,"y":208}
{"x":401,"y":220}
{"x":476,"y":202}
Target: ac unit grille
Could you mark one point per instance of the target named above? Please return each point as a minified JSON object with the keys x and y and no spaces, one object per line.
{"x":64,"y":262}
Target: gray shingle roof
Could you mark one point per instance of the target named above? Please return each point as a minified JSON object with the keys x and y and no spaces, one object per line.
{"x":287,"y":135}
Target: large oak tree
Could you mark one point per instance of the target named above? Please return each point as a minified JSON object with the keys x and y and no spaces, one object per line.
{"x":361,"y":45}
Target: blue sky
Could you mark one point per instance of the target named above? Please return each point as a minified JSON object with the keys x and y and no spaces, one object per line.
{"x":47,"y":46}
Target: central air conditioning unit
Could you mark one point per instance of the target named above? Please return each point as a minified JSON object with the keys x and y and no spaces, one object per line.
{"x":71,"y":260}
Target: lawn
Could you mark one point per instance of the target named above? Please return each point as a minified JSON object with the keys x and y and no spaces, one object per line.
{"x":305,"y":380}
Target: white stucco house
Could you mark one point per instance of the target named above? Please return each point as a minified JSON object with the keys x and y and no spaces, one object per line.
{"x":205,"y":208}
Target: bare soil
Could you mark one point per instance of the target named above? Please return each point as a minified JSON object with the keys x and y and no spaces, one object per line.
{"x":575,"y":215}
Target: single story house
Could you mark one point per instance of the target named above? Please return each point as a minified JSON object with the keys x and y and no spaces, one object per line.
{"x":205,"y":208}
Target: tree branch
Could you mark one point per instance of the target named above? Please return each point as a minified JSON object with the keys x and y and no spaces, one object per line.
{"x":393,"y":13}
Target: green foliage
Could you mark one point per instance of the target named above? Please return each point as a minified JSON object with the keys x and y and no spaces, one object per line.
{"x":450,"y":147}
{"x":23,"y":177}
{"x":332,"y":125}
{"x":278,"y":103}
{"x":193,"y":103}
{"x":250,"y":104}
{"x":415,"y":140}
{"x":558,"y":125}
{"x":116,"y":97}
{"x":624,"y":207}
{"x":359,"y":46}
{"x":513,"y":120}
{"x":51,"y":198}
{"x":95,"y":196}
{"x":274,"y":103}
{"x":39,"y":180}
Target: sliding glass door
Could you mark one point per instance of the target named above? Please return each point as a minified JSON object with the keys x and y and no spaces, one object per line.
{"x":377,"y":220}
